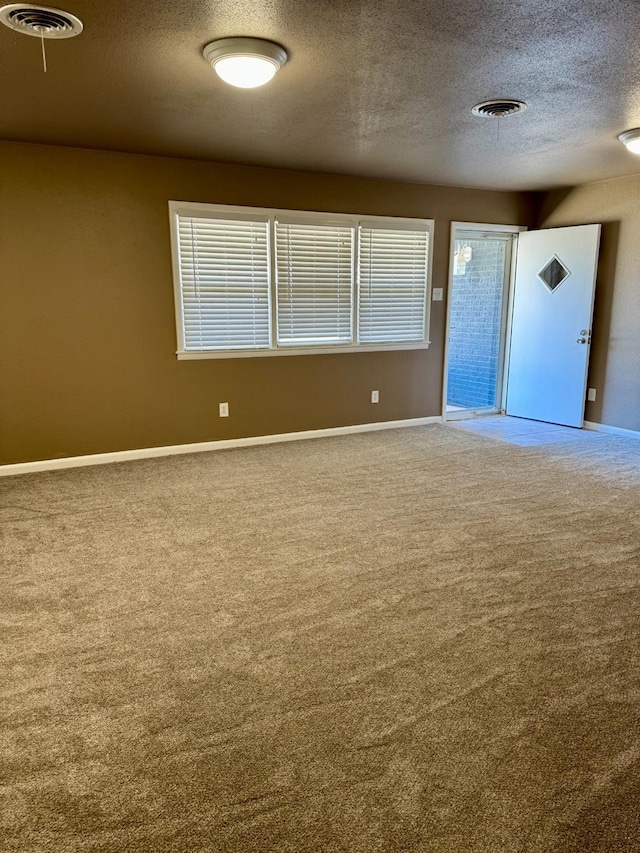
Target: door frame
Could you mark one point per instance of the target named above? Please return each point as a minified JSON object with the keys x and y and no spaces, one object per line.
{"x":507,"y":309}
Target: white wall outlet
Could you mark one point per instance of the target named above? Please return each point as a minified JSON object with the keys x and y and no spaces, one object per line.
{"x":591,"y":395}
{"x":375,"y":396}
{"x":223,"y":408}
{"x":437,"y":294}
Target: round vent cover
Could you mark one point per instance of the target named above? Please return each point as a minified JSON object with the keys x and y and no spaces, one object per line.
{"x":499,"y":108}
{"x":40,"y":21}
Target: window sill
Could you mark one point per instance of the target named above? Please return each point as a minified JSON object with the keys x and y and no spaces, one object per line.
{"x":318,"y":350}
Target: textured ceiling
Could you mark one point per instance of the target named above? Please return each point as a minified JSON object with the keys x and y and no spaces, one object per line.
{"x":373,"y":87}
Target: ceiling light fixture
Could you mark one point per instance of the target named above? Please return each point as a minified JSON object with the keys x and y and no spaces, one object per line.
{"x":631,"y":138}
{"x":245,"y":62}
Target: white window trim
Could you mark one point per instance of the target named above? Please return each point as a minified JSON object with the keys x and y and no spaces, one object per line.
{"x":184,"y":208}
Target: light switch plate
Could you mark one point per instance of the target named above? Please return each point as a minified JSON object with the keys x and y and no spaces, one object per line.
{"x":437,"y":294}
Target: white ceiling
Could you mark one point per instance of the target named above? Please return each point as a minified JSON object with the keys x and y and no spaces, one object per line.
{"x":381,"y":88}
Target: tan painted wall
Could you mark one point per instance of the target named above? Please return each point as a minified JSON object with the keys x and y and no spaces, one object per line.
{"x":615,"y":353}
{"x":87,"y":334}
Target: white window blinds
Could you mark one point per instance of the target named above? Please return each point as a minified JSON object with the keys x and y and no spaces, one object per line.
{"x":314,"y":283}
{"x":260,"y":281}
{"x":393,"y":266}
{"x":224,"y":279}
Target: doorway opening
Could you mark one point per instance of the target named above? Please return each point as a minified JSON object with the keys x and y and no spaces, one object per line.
{"x":477,"y":320}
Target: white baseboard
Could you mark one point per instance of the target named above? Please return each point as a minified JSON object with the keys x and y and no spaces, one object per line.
{"x":595,"y":427}
{"x":202,"y":446}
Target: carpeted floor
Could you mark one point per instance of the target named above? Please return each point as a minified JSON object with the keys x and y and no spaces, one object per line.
{"x":413,"y":640}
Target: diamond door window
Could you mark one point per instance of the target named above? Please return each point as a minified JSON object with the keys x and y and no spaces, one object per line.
{"x":553,"y":273}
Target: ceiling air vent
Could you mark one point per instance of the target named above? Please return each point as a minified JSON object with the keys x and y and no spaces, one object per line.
{"x":40,"y":21}
{"x":499,"y":108}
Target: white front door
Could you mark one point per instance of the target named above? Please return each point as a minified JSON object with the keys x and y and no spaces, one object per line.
{"x":551,"y":324}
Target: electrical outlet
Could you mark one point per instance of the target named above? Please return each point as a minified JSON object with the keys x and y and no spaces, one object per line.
{"x":437,"y":294}
{"x":223,"y":408}
{"x":375,"y":396}
{"x":591,"y":395}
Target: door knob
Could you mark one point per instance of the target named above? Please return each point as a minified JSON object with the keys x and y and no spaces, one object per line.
{"x":581,"y":341}
{"x":584,"y":332}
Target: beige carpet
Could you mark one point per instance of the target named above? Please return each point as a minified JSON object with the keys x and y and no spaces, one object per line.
{"x":415,"y":640}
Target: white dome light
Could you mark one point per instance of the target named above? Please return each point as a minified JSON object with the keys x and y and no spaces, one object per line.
{"x":631,"y":138}
{"x":245,"y":62}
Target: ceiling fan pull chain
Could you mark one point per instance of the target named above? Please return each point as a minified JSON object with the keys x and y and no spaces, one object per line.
{"x":44,"y":53}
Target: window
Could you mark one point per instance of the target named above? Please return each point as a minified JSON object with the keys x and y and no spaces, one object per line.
{"x":314,"y":266}
{"x":224,"y":275}
{"x":393,"y":276}
{"x":255,"y":281}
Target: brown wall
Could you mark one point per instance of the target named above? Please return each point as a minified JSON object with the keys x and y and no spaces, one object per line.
{"x":87,"y":331}
{"x":615,"y":354}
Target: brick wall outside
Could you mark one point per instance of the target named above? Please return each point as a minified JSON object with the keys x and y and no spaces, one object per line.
{"x":474,"y":337}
